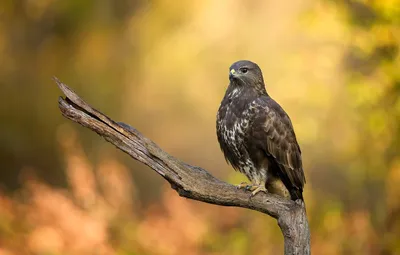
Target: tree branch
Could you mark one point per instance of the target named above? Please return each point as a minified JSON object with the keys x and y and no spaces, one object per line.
{"x":190,"y":181}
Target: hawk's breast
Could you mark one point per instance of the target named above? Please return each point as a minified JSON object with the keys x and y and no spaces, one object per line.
{"x":232,"y":129}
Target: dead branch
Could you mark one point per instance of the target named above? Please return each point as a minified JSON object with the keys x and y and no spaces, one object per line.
{"x":190,"y":181}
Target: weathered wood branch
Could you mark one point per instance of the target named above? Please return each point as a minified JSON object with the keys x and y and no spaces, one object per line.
{"x":190,"y":181}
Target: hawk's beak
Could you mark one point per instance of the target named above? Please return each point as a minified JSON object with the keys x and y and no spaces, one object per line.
{"x":232,"y":73}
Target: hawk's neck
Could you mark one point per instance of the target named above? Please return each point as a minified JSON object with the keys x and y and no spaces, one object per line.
{"x":237,"y":99}
{"x":244,"y":93}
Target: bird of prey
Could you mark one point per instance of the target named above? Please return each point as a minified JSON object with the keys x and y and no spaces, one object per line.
{"x":257,"y":136}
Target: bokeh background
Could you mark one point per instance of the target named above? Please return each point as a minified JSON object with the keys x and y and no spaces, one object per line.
{"x":162,"y":67}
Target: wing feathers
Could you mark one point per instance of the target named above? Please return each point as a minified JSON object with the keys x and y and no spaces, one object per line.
{"x":281,"y":144}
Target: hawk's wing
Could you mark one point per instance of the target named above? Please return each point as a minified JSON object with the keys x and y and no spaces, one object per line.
{"x":275,"y":131}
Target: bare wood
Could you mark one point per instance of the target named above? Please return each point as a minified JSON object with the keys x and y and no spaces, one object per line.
{"x":190,"y":181}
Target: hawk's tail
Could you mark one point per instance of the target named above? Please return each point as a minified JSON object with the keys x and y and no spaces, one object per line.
{"x":296,"y":194}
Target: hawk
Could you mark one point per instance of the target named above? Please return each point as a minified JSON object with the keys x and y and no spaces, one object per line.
{"x":257,"y":136}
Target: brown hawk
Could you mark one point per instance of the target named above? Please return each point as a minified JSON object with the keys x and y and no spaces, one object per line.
{"x":257,"y":136}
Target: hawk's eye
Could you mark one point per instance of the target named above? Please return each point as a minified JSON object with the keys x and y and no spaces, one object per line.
{"x":244,"y":69}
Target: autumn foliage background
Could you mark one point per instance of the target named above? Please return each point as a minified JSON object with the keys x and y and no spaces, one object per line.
{"x":162,"y":67}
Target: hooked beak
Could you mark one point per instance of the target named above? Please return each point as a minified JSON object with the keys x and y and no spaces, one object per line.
{"x":232,"y":74}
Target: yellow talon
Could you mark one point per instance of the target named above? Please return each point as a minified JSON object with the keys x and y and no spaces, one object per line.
{"x":252,"y":187}
{"x":258,"y":188}
{"x":242,"y":185}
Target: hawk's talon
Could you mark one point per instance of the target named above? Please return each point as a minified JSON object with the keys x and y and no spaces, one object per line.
{"x":242,"y":185}
{"x":254,"y":188}
{"x":260,"y":188}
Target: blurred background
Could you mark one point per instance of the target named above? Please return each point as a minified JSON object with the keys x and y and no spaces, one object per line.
{"x":163,"y":68}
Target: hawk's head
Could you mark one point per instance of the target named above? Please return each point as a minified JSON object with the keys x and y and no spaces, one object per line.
{"x":246,"y":73}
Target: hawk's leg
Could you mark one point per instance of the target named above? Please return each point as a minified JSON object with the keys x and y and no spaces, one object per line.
{"x":259,"y":179}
